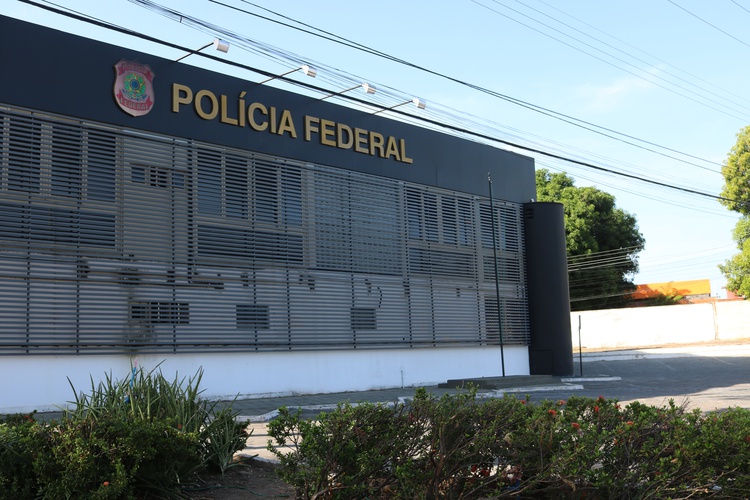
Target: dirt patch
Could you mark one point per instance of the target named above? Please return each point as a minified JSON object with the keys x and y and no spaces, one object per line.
{"x":250,"y":478}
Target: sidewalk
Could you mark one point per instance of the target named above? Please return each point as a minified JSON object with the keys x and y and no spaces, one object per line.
{"x":264,"y":409}
{"x":259,"y":411}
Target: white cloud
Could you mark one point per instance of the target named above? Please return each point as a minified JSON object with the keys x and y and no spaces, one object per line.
{"x":611,"y":96}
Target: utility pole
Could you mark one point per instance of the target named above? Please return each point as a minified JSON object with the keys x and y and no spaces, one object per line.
{"x":497,"y":278}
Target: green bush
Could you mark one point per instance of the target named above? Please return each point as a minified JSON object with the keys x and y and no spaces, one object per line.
{"x":149,"y":396}
{"x":107,"y":457}
{"x":144,"y":436}
{"x":20,"y":443}
{"x":459,"y":446}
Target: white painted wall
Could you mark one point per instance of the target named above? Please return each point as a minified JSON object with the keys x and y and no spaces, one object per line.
{"x":645,"y":326}
{"x":41,"y":383}
{"x":733,"y":319}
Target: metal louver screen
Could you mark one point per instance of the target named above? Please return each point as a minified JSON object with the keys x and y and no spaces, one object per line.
{"x":117,"y":241}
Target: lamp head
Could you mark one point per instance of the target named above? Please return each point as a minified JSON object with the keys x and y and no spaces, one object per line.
{"x":221,"y":45}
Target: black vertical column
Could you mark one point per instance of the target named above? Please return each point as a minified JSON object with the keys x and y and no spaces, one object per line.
{"x":551,"y":349}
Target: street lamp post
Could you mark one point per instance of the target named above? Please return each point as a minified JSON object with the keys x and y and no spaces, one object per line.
{"x":497,"y":278}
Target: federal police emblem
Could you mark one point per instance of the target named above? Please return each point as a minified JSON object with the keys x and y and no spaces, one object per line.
{"x":134,"y":89}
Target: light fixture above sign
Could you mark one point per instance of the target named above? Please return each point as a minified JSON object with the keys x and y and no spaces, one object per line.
{"x":369,"y":89}
{"x":419,"y":103}
{"x":218,"y":44}
{"x":308,"y":70}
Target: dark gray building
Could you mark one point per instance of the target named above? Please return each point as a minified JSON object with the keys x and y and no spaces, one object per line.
{"x":153,"y":210}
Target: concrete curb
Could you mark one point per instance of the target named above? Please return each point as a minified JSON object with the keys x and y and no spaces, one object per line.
{"x":499,"y":393}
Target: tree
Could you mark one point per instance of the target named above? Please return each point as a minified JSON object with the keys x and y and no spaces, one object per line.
{"x":603,"y":242}
{"x":736,"y":197}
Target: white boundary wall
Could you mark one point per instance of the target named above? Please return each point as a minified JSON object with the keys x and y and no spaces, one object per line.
{"x":41,"y":382}
{"x":676,"y":324}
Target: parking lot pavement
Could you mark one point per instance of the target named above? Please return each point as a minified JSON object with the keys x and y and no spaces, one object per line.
{"x":708,"y":378}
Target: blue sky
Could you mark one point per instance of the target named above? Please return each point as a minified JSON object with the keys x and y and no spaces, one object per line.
{"x":673,"y":73}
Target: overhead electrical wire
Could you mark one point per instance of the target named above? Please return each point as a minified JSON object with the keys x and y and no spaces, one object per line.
{"x":601,"y":263}
{"x":740,"y":6}
{"x":397,"y":111}
{"x":708,"y":23}
{"x":539,"y":109}
{"x":662,"y":61}
{"x":613,"y":57}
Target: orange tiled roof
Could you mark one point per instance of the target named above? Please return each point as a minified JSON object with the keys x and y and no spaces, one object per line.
{"x":684,"y":288}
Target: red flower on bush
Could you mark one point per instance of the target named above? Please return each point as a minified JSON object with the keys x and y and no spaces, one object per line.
{"x":523,"y":401}
{"x":560,"y":403}
{"x":552,"y":412}
{"x":179,"y":426}
{"x":596,"y":409}
{"x":106,"y":483}
{"x":576,"y":425}
{"x":629,"y":422}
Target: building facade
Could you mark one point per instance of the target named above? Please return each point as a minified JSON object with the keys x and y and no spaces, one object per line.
{"x":155,"y":213}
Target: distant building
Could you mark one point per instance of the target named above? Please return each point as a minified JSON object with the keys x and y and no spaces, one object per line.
{"x":685,"y":291}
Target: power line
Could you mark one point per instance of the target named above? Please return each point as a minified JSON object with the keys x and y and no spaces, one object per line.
{"x":539,"y":109}
{"x":644,"y":52}
{"x":712,"y":25}
{"x":397,"y":111}
{"x":637,"y":49}
{"x":605,"y":61}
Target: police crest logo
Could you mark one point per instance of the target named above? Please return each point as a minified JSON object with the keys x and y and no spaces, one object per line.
{"x":134,"y":89}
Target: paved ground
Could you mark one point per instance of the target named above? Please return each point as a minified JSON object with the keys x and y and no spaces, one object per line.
{"x":709,"y":377}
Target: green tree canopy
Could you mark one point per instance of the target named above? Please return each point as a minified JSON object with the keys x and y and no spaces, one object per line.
{"x":736,"y":172}
{"x":736,"y":197}
{"x":594,"y":225}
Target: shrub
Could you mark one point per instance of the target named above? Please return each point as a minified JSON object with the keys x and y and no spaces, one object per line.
{"x":458,"y":446}
{"x":149,"y":396}
{"x":107,"y":457}
{"x":144,"y":436}
{"x":20,"y":443}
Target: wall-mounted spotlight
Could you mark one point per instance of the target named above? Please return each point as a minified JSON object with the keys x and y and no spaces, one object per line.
{"x":369,"y":89}
{"x":419,"y":103}
{"x":218,"y":44}
{"x":309,"y":71}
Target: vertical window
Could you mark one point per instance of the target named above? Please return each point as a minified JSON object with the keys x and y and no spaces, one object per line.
{"x":487,"y":222}
{"x":430,"y":217}
{"x":414,"y":214}
{"x":236,"y":189}
{"x":265,"y":194}
{"x":277,"y":195}
{"x":450,"y":220}
{"x":209,"y":181}
{"x":492,"y":320}
{"x":101,"y":159}
{"x":291,"y":197}
{"x":24,"y":156}
{"x":66,"y":162}
{"x":465,"y":223}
